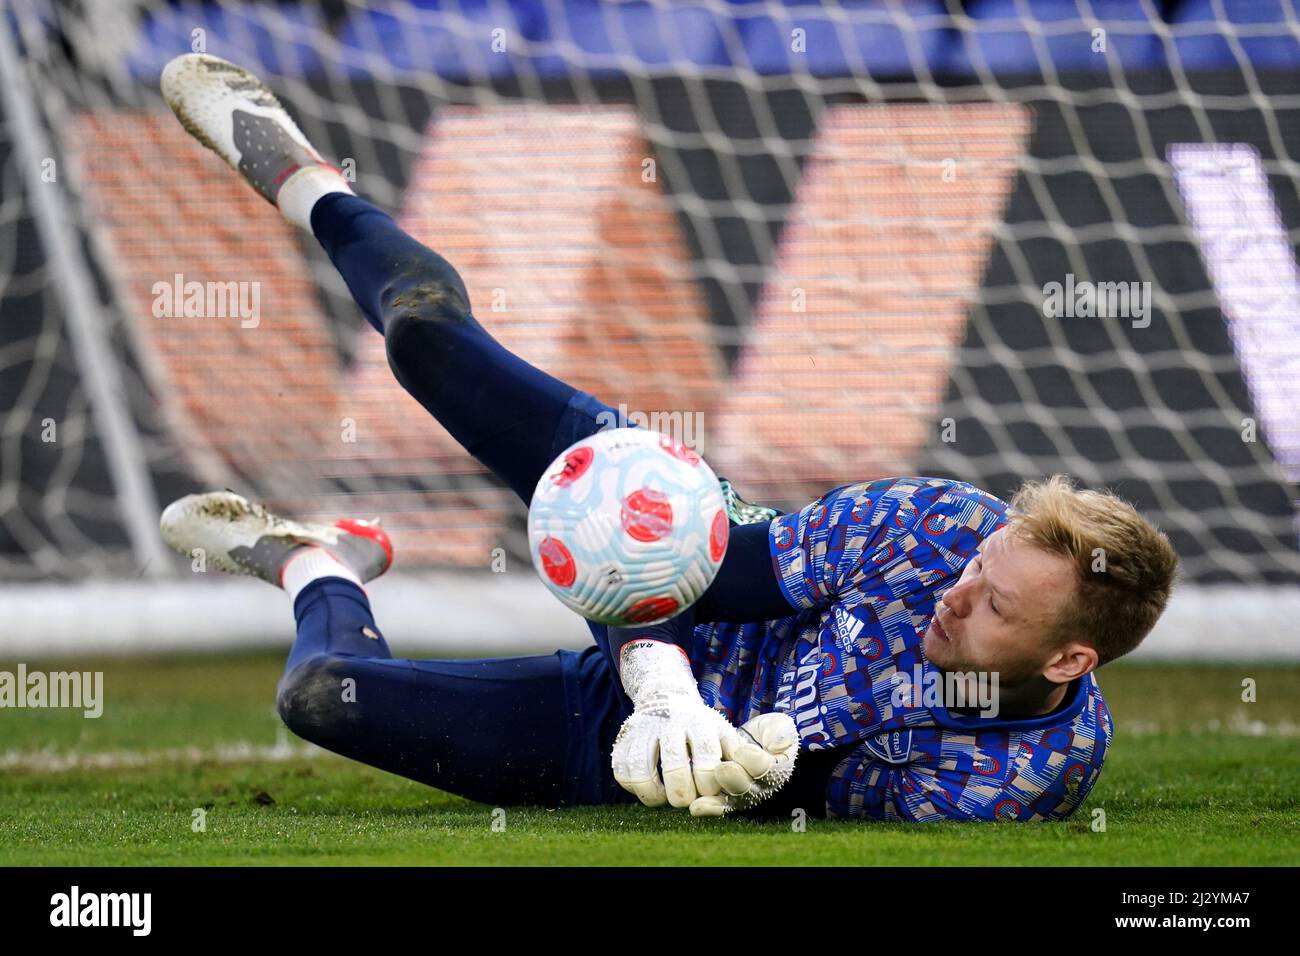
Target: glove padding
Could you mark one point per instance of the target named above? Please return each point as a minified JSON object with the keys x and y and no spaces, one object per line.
{"x":753,"y":768}
{"x":684,"y":735}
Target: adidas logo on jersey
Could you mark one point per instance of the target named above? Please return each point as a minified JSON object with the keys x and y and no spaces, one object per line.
{"x":847,"y":627}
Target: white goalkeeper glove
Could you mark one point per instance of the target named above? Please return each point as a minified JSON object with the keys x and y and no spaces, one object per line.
{"x":755,"y":769}
{"x":670,"y":726}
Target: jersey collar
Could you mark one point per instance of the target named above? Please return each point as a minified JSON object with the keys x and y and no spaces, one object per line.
{"x":1076,"y":697}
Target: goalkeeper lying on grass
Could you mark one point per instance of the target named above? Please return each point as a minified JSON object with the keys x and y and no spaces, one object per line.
{"x":822,"y":635}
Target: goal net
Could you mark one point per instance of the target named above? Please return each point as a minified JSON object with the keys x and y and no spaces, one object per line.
{"x":819,"y":242}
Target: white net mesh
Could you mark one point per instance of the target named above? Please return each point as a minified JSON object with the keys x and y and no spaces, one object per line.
{"x":836,"y":241}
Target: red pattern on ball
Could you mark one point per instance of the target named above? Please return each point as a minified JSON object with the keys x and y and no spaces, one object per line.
{"x":557,"y":562}
{"x":678,"y":450}
{"x":718,"y":533}
{"x":651,"y":608}
{"x":647,"y":515}
{"x":575,"y":465}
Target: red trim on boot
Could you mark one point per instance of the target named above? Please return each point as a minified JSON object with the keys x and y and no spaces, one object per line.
{"x":365,"y":529}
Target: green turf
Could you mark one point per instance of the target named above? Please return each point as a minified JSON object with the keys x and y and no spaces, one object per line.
{"x":1195,"y":776}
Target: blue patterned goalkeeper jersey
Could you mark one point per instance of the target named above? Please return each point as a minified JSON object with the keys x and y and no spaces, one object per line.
{"x":866,"y":563}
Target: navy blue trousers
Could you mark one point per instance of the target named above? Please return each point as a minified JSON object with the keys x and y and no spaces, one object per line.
{"x":534,"y":730}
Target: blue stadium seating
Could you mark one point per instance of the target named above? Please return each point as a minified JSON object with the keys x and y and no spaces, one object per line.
{"x":1202,"y":46}
{"x":606,"y":38}
{"x":645,"y":33}
{"x":1059,"y":33}
{"x":878,"y":38}
{"x":451,"y":38}
{"x":860,"y":37}
{"x":270,"y":38}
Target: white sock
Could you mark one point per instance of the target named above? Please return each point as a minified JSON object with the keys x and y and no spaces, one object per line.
{"x":303,"y":190}
{"x":311,"y":564}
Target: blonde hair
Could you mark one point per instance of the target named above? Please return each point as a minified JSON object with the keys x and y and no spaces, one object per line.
{"x":1125,"y":566}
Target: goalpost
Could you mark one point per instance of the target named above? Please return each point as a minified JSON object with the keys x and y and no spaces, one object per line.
{"x":986,"y":239}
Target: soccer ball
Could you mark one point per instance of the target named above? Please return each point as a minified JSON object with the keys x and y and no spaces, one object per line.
{"x":628,"y":527}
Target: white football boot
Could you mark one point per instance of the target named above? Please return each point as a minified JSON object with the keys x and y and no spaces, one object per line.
{"x":238,"y":536}
{"x":234,"y":114}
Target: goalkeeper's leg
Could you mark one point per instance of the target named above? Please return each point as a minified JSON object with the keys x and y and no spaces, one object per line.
{"x":511,"y":416}
{"x":522,"y":730}
{"x":508,"y":414}
{"x":504,"y":731}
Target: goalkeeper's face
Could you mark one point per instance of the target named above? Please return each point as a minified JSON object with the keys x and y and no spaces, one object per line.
{"x":999,"y":616}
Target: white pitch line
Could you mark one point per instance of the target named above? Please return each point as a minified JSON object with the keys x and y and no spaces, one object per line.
{"x":47,"y":761}
{"x":1235,"y":726}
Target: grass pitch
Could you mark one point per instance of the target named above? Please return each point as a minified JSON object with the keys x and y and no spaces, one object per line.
{"x":1195,"y":777}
